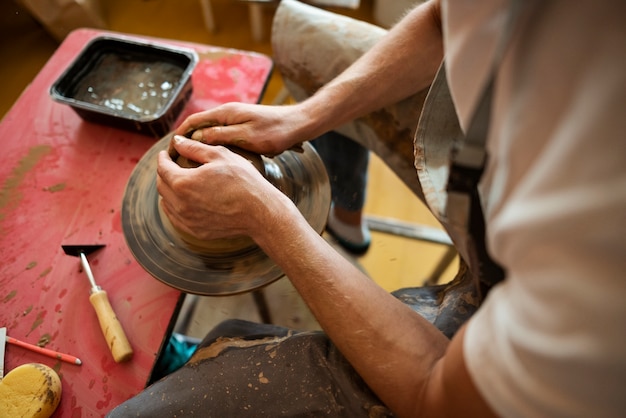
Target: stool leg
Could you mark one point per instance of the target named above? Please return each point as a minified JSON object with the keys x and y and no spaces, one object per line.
{"x":207,"y":13}
{"x":441,"y":267}
{"x":262,"y":306}
{"x":281,"y":97}
{"x":255,"y":11}
{"x":186,"y":313}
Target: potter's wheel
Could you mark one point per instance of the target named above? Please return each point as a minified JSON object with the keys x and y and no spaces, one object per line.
{"x":164,"y":254}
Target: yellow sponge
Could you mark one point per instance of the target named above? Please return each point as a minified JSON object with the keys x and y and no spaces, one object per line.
{"x":31,"y":390}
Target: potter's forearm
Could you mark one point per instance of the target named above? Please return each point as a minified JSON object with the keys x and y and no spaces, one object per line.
{"x":355,"y":312}
{"x":379,"y":78}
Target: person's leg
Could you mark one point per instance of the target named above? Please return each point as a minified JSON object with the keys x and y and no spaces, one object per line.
{"x":346,"y":163}
{"x":312,"y":46}
{"x":243,"y":369}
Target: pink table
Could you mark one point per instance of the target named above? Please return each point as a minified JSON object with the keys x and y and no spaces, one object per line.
{"x":63,"y":181}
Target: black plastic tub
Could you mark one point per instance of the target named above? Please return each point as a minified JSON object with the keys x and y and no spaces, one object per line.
{"x":129,"y":84}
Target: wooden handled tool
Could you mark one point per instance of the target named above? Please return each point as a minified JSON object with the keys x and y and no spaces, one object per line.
{"x":110,"y":325}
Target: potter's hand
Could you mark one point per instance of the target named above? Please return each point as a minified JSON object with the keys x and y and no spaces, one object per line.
{"x":223,"y":197}
{"x":267,"y":130}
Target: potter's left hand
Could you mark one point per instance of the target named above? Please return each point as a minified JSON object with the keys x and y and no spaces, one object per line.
{"x":262,"y":129}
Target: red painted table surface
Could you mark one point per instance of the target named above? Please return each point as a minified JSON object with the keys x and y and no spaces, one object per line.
{"x":63,"y":182}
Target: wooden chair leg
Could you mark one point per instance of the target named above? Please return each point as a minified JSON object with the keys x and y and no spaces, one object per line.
{"x":255,"y":13}
{"x":262,"y":306}
{"x":207,"y":14}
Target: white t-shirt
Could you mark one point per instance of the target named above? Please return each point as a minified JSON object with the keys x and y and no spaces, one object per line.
{"x":550,"y":340}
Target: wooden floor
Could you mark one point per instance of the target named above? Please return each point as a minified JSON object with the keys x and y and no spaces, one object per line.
{"x":392,"y":261}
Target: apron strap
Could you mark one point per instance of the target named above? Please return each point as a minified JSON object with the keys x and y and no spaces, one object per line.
{"x":468,"y":158}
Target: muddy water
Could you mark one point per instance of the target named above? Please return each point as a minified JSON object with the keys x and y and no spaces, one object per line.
{"x":132,"y":87}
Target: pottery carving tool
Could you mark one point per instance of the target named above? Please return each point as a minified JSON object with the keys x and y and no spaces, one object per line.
{"x":4,"y":338}
{"x":110,"y":325}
